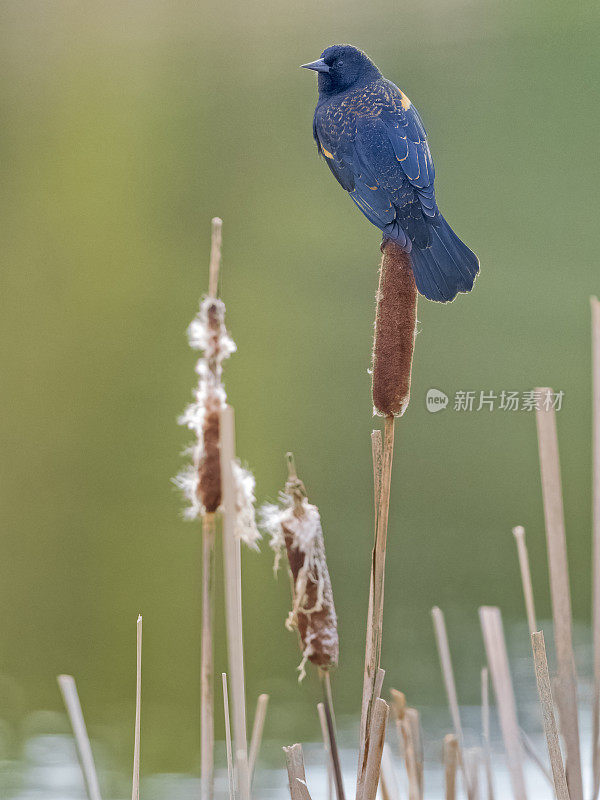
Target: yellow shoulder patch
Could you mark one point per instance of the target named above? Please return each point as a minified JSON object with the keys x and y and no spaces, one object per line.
{"x":326,"y":153}
{"x":404,"y":101}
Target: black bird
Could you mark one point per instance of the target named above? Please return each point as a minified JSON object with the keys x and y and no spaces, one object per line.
{"x":374,"y":142}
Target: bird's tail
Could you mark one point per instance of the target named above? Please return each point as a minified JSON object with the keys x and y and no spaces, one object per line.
{"x":446,"y":267}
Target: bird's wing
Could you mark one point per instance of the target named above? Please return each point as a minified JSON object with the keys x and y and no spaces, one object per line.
{"x":382,"y":159}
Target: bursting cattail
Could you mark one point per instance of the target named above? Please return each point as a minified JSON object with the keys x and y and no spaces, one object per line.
{"x":395,"y":328}
{"x":296,"y":528}
{"x":201,"y":481}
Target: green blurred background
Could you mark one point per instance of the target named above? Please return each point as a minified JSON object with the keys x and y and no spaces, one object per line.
{"x":126,"y":127}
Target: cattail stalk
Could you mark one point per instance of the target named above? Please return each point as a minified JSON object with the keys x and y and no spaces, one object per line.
{"x":519,"y":534}
{"x":296,"y":773}
{"x":547,"y":703}
{"x":595,"y":307}
{"x":559,"y":588}
{"x":497,"y":658}
{"x":135,"y":790}
{"x":257,"y":732}
{"x":233,"y":600}
{"x":70,"y":696}
{"x":230,"y":773}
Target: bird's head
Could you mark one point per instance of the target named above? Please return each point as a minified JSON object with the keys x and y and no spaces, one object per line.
{"x":342,"y":66}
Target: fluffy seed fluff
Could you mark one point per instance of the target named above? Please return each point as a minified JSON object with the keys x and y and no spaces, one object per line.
{"x":296,"y":529}
{"x":200,"y":481}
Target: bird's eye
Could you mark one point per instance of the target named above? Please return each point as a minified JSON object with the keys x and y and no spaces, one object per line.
{"x":340,"y":63}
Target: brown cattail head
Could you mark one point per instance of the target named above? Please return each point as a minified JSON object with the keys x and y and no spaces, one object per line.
{"x":297,"y":528}
{"x":395,"y":328}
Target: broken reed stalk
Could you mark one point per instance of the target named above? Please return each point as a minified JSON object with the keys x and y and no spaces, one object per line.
{"x":296,"y":774}
{"x":257,"y":732}
{"x":519,"y":534}
{"x":379,"y":718}
{"x":233,"y":600}
{"x":450,"y":764}
{"x":68,"y":690}
{"x":443,"y":648}
{"x":595,"y":308}
{"x":485,"y":731}
{"x":135,"y":784}
{"x":370,"y":652}
{"x":325,"y":735}
{"x":408,"y":745}
{"x":375,"y":612}
{"x":497,"y":658}
{"x":547,"y":703}
{"x":230,"y":773}
{"x":413,"y":720}
{"x":559,"y":588}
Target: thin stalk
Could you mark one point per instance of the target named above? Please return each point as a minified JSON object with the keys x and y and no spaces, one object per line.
{"x":388,"y":779}
{"x":547,"y":703}
{"x":215,"y":256}
{"x":595,"y":306}
{"x":230,"y":773}
{"x":333,"y":748}
{"x":443,"y":647}
{"x":233,"y":601}
{"x":485,"y":729}
{"x":207,"y":713}
{"x":325,"y":735}
{"x":68,"y":690}
{"x":519,"y":534}
{"x":559,"y":589}
{"x":135,"y":786}
{"x":257,"y":732}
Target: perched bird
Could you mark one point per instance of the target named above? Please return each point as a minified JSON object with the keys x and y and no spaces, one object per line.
{"x":374,"y":142}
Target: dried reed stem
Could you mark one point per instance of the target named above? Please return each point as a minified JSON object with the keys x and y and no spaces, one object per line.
{"x":443,"y":647}
{"x":472,"y":761}
{"x":230,"y":773}
{"x":257,"y":732}
{"x":389,"y":780}
{"x":233,"y":600}
{"x":519,"y":534}
{"x":485,"y":731}
{"x":497,"y":658}
{"x":296,"y":774}
{"x":135,"y":785}
{"x":325,"y":735}
{"x":531,"y":752}
{"x":408,"y":745}
{"x":559,"y":589}
{"x":595,"y":307}
{"x":395,"y":327}
{"x":207,"y":725}
{"x":68,"y":690}
{"x":375,"y":613}
{"x":379,"y":719}
{"x":413,"y":720}
{"x":450,"y":764}
{"x":547,"y":703}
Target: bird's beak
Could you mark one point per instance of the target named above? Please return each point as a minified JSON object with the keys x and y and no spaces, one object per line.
{"x":319,"y":65}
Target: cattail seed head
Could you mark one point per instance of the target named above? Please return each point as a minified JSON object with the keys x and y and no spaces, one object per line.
{"x":395,"y":329}
{"x":296,"y":528}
